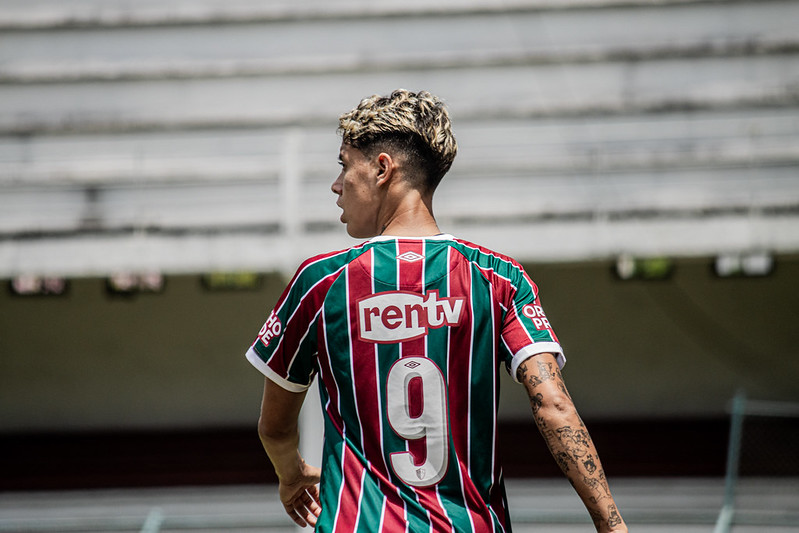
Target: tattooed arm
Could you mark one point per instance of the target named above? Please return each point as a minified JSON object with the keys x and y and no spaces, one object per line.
{"x":568,"y":440}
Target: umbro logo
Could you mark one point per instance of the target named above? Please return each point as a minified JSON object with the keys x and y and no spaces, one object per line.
{"x":410,"y":257}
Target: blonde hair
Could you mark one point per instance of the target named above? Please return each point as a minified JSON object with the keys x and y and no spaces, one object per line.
{"x":415,"y":123}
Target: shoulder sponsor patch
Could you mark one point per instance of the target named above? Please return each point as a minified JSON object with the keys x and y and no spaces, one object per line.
{"x":271,"y":329}
{"x":536,"y":314}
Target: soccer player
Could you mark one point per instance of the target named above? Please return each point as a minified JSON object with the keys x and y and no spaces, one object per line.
{"x":408,"y":332}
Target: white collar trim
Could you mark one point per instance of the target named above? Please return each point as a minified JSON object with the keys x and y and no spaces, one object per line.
{"x":439,"y":237}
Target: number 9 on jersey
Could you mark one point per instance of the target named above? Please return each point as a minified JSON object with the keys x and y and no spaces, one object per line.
{"x":430,"y":423}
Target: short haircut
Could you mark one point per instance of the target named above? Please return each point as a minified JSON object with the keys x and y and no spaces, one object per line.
{"x":416,"y":124}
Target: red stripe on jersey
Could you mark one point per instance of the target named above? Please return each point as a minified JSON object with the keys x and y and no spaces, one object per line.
{"x":365,"y":385}
{"x":459,"y":363}
{"x":330,"y":385}
{"x":350,"y":498}
{"x":410,"y":277}
{"x":459,"y":386}
{"x":410,"y":265}
{"x":514,"y":333}
{"x":394,"y":511}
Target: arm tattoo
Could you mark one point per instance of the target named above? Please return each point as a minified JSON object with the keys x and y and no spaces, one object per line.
{"x":545,"y":370}
{"x":545,"y":374}
{"x":590,"y":465}
{"x":536,"y":401}
{"x":598,"y":486}
{"x":615,"y":517}
{"x":568,"y":440}
{"x":564,"y":461}
{"x":575,"y":441}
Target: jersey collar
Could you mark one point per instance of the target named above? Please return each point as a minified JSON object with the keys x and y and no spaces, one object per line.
{"x":439,"y":237}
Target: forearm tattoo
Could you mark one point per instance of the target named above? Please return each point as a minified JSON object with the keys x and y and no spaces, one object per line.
{"x":569,"y":442}
{"x":546,"y":372}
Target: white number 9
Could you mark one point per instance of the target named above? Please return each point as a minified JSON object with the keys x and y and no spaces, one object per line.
{"x":431,"y":422}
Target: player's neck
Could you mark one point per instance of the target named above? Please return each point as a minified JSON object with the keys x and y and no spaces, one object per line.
{"x":413,"y":217}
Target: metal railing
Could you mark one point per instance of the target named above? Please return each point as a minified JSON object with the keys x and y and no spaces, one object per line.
{"x":733,"y":511}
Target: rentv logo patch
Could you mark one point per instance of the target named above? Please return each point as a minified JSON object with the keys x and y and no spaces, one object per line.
{"x":402,"y":316}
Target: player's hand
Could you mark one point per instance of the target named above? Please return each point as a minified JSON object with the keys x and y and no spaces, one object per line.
{"x":300,"y":496}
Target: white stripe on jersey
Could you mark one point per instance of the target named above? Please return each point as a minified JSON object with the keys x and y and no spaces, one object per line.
{"x":469,"y":386}
{"x":359,"y":515}
{"x":382,"y":515}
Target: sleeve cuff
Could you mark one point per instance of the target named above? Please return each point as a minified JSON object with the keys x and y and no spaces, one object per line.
{"x":263,"y":368}
{"x":535,"y":349}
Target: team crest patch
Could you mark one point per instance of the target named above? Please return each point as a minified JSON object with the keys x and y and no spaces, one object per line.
{"x":410,"y":257}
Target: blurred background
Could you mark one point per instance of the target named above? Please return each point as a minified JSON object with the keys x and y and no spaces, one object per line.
{"x":165,"y":165}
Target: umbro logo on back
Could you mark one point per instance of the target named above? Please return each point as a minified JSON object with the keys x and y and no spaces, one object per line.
{"x":410,"y":257}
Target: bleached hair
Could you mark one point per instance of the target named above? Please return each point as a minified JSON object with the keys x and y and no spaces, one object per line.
{"x":415,"y":123}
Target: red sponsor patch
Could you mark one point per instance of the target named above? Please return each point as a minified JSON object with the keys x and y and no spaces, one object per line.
{"x":536,"y":314}
{"x":271,"y":329}
{"x":400,"y":316}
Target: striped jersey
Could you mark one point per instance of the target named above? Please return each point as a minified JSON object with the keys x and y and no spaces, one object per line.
{"x":407,"y":336}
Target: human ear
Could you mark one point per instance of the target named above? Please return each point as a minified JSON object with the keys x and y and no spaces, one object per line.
{"x":385,"y":168}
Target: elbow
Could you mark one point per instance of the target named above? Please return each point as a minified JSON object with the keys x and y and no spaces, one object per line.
{"x":556,"y":406}
{"x":266,"y":430}
{"x":269,"y":431}
{"x":562,"y":405}
{"x":263,"y":428}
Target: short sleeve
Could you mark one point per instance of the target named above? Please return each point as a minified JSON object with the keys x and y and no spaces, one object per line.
{"x":286,"y":346}
{"x":526,"y":330}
